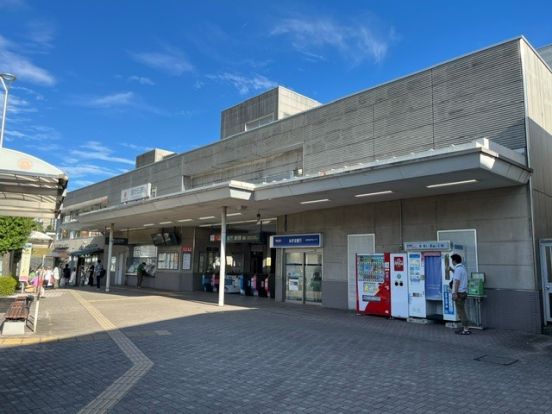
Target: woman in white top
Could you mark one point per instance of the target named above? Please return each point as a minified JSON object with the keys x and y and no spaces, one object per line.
{"x":73,"y":278}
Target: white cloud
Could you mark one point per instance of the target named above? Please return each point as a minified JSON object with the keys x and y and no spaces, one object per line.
{"x":136,"y":147}
{"x":17,"y":105}
{"x":171,"y":60}
{"x":22,"y":67}
{"x":94,"y":150}
{"x":119,"y":100}
{"x":12,"y":4}
{"x":356,"y":41}
{"x":142,"y":80}
{"x":41,"y":34}
{"x":32,"y":132}
{"x":243,"y":84}
{"x":110,"y":101}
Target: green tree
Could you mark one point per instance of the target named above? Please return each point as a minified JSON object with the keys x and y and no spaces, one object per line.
{"x":14,"y":232}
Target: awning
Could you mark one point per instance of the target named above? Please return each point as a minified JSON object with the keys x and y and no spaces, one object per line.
{"x":475,"y":166}
{"x":59,"y":253}
{"x":87,"y":252}
{"x":29,"y":186}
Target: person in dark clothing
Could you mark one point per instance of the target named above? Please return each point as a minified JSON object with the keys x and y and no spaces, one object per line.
{"x":91,"y":275}
{"x":66,"y":274}
{"x":100,"y":272}
{"x":141,"y":272}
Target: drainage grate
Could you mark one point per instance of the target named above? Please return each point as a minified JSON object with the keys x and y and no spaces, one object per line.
{"x":498,"y":360}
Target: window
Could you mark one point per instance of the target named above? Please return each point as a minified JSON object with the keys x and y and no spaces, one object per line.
{"x":167,"y":261}
{"x":145,"y":253}
{"x":259,"y":122}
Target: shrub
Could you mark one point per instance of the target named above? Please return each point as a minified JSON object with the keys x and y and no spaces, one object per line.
{"x":7,"y":285}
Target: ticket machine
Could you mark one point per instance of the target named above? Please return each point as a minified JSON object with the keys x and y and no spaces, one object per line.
{"x":429,"y":294}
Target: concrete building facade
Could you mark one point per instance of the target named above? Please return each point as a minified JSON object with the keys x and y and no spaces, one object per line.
{"x":456,"y":152}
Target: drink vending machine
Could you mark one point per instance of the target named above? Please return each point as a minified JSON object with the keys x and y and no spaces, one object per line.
{"x":399,"y":286}
{"x":372,"y":284}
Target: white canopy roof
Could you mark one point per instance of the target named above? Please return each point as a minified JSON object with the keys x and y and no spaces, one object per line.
{"x":29,"y":186}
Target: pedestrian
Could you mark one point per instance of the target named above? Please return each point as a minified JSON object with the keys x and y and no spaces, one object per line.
{"x":48,"y":278}
{"x":460,"y":292}
{"x":99,"y":273}
{"x":66,"y":275}
{"x":140,"y":273}
{"x":91,"y":275}
{"x":73,"y":277}
{"x":56,"y":276}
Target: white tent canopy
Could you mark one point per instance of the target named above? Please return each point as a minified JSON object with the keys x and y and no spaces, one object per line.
{"x":29,"y":186}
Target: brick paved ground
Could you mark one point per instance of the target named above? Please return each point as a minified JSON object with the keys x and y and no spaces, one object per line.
{"x":257,"y":356}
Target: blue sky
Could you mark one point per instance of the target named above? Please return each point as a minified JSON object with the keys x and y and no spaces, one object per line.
{"x":100,"y":82}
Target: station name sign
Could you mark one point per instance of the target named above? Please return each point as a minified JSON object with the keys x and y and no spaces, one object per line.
{"x":136,"y":193}
{"x":117,"y":241}
{"x":296,"y":240}
{"x":431,"y":245}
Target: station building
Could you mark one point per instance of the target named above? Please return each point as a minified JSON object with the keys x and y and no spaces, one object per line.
{"x":460,"y":151}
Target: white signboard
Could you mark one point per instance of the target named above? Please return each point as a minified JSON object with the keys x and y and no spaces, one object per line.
{"x":136,"y":193}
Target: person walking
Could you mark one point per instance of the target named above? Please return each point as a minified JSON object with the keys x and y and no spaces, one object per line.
{"x":99,"y":273}
{"x":460,"y":292}
{"x":91,"y":275}
{"x":56,"y":276}
{"x":66,"y":275}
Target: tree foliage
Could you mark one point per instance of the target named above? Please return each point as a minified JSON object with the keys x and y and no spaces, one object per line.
{"x":14,"y":232}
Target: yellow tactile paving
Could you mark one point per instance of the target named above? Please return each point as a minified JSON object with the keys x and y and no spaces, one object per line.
{"x":141,"y":363}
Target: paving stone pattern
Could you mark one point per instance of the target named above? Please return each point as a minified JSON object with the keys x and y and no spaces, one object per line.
{"x":258,"y":356}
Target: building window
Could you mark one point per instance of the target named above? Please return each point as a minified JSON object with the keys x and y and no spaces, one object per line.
{"x":259,"y":122}
{"x":167,"y":261}
{"x":145,"y":253}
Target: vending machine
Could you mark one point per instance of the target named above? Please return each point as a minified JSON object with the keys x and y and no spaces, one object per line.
{"x":429,"y":275}
{"x":416,"y":286}
{"x":373,"y":280}
{"x":399,"y":285}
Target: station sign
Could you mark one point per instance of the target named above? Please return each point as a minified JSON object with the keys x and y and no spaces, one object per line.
{"x":117,"y":241}
{"x":296,"y":240}
{"x":136,"y":193}
{"x":431,"y":245}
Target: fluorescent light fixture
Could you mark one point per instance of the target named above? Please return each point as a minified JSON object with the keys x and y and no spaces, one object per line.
{"x":233,"y":214}
{"x":374,"y":194}
{"x":149,"y":224}
{"x":452,"y":183}
{"x":184,"y":220}
{"x":165,"y":222}
{"x":207,"y":217}
{"x":322,"y":200}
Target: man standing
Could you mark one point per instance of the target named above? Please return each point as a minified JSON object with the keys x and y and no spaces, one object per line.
{"x":99,"y":273}
{"x":459,"y":292}
{"x":141,"y":272}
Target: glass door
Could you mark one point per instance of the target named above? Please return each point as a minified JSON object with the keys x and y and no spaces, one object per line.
{"x":546,"y":274}
{"x":303,"y":276}
{"x":294,"y":276}
{"x":313,"y":277}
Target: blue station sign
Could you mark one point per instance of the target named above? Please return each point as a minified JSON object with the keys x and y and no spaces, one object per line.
{"x":296,"y":240}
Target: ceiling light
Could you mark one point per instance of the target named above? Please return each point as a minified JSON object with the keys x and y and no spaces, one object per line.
{"x":165,"y":222}
{"x":149,"y":224}
{"x":452,"y":183}
{"x":184,"y":220}
{"x":207,"y":217}
{"x":374,"y":194}
{"x":233,"y":214}
{"x":322,"y":200}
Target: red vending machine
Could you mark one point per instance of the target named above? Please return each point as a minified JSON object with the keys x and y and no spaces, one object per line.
{"x":373,"y":285}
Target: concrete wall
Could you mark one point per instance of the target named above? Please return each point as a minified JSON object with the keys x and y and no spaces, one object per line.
{"x":501,"y":218}
{"x":480,"y":95}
